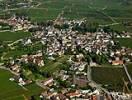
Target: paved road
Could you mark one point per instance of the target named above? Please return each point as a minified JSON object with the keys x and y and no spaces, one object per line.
{"x":89,"y":73}
{"x":4,"y":68}
{"x":127,"y":73}
{"x":109,"y":24}
{"x":14,"y":42}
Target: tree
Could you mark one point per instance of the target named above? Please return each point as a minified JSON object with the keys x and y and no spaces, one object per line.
{"x":33,"y":98}
{"x":32,"y":67}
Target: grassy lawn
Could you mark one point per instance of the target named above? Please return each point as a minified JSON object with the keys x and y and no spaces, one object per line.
{"x":125,"y":42}
{"x":11,"y":91}
{"x":111,"y":76}
{"x":12,"y":36}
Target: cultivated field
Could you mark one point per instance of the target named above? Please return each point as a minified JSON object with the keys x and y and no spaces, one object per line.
{"x":11,"y":91}
{"x":102,"y":11}
{"x":127,"y":42}
{"x":13,"y":36}
{"x":113,"y":77}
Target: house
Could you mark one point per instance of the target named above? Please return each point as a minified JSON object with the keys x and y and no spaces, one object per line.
{"x":93,"y":64}
{"x":73,"y":94}
{"x":36,"y":59}
{"x":15,"y":68}
{"x":48,"y":81}
{"x":97,"y":97}
{"x":82,"y":66}
{"x":28,"y":42}
{"x":60,"y":97}
{"x":81,"y":81}
{"x":85,"y":91}
{"x":21,"y":82}
{"x":117,"y":62}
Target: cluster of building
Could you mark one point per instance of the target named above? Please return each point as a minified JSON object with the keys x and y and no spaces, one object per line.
{"x":58,"y":42}
{"x":36,"y":59}
{"x":15,"y":65}
{"x":21,"y":81}
{"x":119,"y":56}
{"x":15,"y":68}
{"x":72,"y":93}
{"x":18,"y":23}
{"x":77,"y":95}
{"x":121,"y":96}
{"x":69,"y":93}
{"x":123,"y":35}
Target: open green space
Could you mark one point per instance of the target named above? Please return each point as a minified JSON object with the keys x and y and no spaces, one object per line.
{"x":127,"y":42}
{"x":11,"y":91}
{"x":109,"y":76}
{"x":13,"y":36}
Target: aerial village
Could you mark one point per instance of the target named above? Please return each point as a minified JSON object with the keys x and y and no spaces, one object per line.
{"x":84,"y":50}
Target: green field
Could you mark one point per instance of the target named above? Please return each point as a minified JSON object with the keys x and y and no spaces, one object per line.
{"x":127,"y":42}
{"x":13,"y":36}
{"x":109,"y":76}
{"x":11,"y":91}
{"x":102,"y":11}
{"x":39,"y":14}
